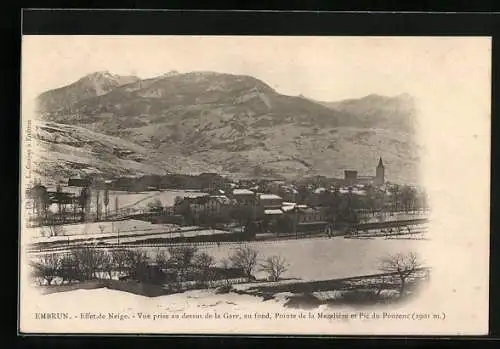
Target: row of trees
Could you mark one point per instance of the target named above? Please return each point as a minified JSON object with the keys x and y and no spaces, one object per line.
{"x":184,"y":263}
{"x":188,"y":264}
{"x":375,"y":199}
{"x":69,"y":207}
{"x":85,"y":263}
{"x":340,"y":207}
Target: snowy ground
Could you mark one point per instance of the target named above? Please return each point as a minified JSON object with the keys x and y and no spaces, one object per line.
{"x":322,"y":258}
{"x":141,"y":200}
{"x":132,"y":202}
{"x":107,"y":232}
{"x":199,"y":311}
{"x":309,"y":259}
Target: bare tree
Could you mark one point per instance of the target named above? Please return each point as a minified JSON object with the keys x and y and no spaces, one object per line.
{"x":181,"y":259}
{"x":120,"y":260}
{"x":107,"y":264}
{"x":89,"y":260}
{"x":106,"y":202}
{"x":135,"y":260}
{"x":74,"y":204}
{"x":59,"y":200}
{"x":69,"y":269}
{"x":404,"y":265}
{"x":98,"y":206}
{"x":246,"y":259}
{"x":204,"y":262}
{"x":46,"y":267}
{"x":274,"y":266}
{"x":84,"y":202}
{"x":161,"y":258}
{"x":155,"y":206}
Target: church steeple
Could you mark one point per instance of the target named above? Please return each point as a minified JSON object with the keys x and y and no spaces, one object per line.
{"x":380,"y":173}
{"x":380,"y":163}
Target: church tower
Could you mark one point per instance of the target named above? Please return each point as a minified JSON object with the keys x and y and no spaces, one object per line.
{"x":380,"y":173}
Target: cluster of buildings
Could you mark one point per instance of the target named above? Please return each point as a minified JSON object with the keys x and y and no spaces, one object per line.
{"x":303,"y":202}
{"x":277,"y":201}
{"x":245,"y":205}
{"x":351,"y":176}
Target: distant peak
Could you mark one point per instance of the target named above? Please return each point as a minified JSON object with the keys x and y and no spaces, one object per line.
{"x":205,"y":72}
{"x":99,"y":74}
{"x":374,"y":95}
{"x":170,"y":73}
{"x":102,"y":72}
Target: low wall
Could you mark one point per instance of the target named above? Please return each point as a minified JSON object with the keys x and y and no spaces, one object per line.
{"x":322,"y":285}
{"x":135,"y":287}
{"x":130,"y":286}
{"x":86,"y":285}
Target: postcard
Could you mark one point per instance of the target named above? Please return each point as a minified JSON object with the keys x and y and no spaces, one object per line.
{"x":255,"y":185}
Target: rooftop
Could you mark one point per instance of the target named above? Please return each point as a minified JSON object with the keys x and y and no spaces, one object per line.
{"x":242,"y":192}
{"x":319,"y":190}
{"x":273,"y":212}
{"x":269,"y":197}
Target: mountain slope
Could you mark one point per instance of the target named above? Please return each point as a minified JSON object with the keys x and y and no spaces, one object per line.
{"x":92,"y":85}
{"x":179,"y":96}
{"x":238,"y":125}
{"x":64,"y":151}
{"x":398,"y":113}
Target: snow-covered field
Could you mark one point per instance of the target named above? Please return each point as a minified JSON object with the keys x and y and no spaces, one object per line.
{"x":322,"y":258}
{"x":173,"y":234}
{"x":309,"y":259}
{"x":197,"y":311}
{"x":141,"y":200}
{"x":131,"y":201}
{"x":97,"y":229}
{"x":180,"y":302}
{"x":107,"y":232}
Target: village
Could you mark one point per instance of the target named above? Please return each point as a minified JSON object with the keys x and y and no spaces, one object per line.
{"x":258,"y":206}
{"x":209,"y":232}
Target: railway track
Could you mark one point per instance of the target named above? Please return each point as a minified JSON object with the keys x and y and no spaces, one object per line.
{"x":63,"y":249}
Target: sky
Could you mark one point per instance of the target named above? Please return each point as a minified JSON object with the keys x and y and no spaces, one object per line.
{"x":322,"y":68}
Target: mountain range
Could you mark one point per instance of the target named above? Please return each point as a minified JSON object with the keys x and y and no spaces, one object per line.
{"x":235,"y":125}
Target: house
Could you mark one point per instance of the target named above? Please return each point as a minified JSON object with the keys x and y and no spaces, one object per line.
{"x":244,"y":197}
{"x":245,"y":205}
{"x":273,"y":212}
{"x":310,"y":215}
{"x":270,"y":201}
{"x":79,"y":182}
{"x":366,"y":180}
{"x":289,"y":193}
{"x":350,"y":176}
{"x":61,"y":197}
{"x":317,"y":197}
{"x":211,"y":206}
{"x":288,"y":206}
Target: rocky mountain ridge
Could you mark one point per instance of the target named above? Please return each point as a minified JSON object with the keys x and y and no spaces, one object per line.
{"x":240,"y":126}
